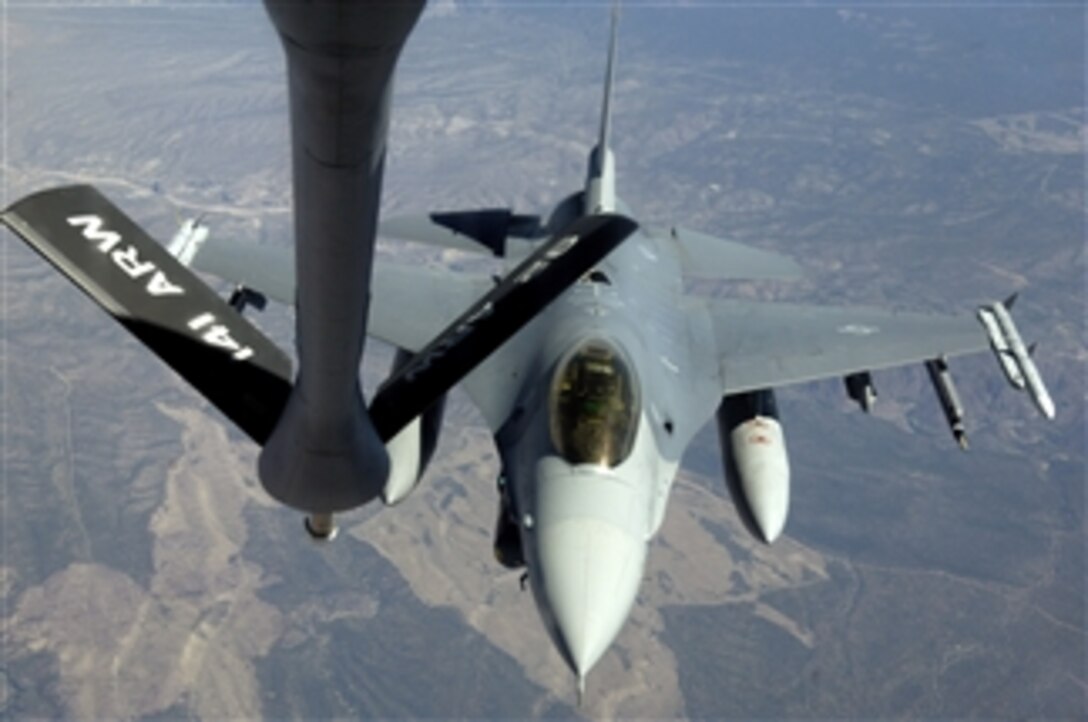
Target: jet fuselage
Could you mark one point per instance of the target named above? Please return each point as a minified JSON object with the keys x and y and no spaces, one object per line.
{"x":592,"y":447}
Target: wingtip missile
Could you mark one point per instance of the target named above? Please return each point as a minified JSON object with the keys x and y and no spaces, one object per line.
{"x":1001,"y":349}
{"x":187,"y":241}
{"x":1020,"y":355}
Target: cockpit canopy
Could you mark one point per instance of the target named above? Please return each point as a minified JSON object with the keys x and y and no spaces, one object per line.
{"x":594,"y":405}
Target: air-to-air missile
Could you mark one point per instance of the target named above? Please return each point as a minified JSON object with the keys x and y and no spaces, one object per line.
{"x":1014,"y":357}
{"x":949,"y":398}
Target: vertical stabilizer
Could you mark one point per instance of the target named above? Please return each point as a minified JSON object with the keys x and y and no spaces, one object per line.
{"x":601,"y":178}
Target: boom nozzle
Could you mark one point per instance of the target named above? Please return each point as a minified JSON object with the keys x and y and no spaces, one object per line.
{"x":321,"y":527}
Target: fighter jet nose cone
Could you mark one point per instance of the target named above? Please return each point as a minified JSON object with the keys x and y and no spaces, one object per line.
{"x":590,"y":572}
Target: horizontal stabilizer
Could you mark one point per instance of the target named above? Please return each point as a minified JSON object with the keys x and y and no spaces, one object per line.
{"x":159,"y":301}
{"x":704,"y":256}
{"x":472,"y":231}
{"x":515,"y":301}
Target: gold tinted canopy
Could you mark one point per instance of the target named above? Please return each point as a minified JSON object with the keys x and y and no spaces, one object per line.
{"x":594,"y":405}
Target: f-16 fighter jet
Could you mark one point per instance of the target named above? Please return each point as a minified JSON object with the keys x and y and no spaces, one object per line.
{"x":589,"y":363}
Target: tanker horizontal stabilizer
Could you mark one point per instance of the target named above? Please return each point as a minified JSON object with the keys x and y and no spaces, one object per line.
{"x":159,"y":301}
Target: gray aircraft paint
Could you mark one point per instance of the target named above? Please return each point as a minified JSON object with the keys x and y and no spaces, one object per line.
{"x":585,"y":528}
{"x":584,"y":518}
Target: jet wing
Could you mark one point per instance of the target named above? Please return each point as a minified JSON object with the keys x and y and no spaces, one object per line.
{"x":409,"y":305}
{"x":763,"y":345}
{"x":267,"y":269}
